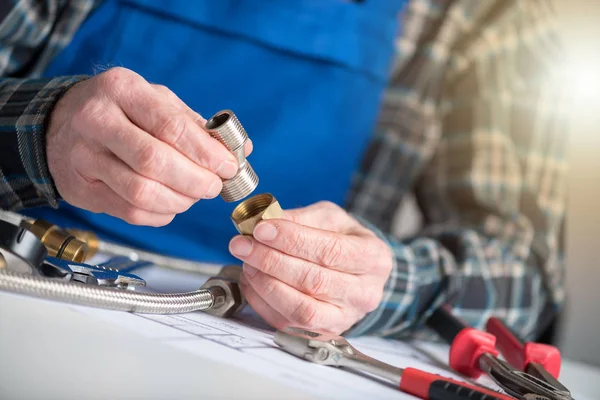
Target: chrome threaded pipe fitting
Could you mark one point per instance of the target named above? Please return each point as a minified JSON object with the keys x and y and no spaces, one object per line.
{"x":226,"y":128}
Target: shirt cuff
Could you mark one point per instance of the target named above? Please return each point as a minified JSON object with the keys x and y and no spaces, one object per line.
{"x":25,"y":179}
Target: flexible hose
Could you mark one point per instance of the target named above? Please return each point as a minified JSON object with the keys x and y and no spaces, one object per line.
{"x":113,"y":299}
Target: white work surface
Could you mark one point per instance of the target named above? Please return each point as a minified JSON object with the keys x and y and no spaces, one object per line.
{"x":55,"y":351}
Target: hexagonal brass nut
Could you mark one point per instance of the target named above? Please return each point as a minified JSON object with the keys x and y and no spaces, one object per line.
{"x":227,"y":281}
{"x":253,"y":210}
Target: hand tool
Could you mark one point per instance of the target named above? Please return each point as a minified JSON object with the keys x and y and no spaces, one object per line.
{"x":100,"y":275}
{"x":97,"y":245}
{"x":77,"y":283}
{"x":473,"y":352}
{"x":536,"y":359}
{"x":20,"y":249}
{"x":334,"y":350}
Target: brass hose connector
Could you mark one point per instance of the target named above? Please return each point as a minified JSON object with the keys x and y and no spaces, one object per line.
{"x":58,"y":242}
{"x":89,"y":237}
{"x":225,"y":127}
{"x":251,"y":211}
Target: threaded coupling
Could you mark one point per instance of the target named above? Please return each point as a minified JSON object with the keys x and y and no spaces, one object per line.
{"x":89,"y":237}
{"x":250,"y":212}
{"x":58,"y":242}
{"x":227,"y":129}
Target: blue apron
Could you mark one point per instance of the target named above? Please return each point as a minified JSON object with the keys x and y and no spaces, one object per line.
{"x":305,"y":78}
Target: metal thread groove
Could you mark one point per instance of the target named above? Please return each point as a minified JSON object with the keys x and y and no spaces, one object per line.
{"x":241,"y":185}
{"x":227,"y":129}
{"x":114,"y":299}
{"x":252,"y":207}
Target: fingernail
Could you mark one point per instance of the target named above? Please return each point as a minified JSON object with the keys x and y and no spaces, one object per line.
{"x":227,"y":169}
{"x":240,"y":246}
{"x":214,"y":189}
{"x":265,"y":231}
{"x":250,"y":271}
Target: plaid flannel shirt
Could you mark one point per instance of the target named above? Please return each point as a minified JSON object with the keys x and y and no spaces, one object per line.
{"x":471,"y":127}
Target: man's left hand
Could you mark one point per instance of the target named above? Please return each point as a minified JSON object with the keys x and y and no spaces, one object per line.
{"x":318,"y":268}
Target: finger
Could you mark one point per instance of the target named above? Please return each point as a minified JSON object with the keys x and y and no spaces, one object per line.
{"x":200,"y":120}
{"x":346,"y":253}
{"x":170,"y":96}
{"x":158,"y":161}
{"x":248,"y":147}
{"x":318,"y":282}
{"x":105,"y":200}
{"x":158,"y":116}
{"x":301,"y":310}
{"x":266,"y":312}
{"x":136,"y":189}
{"x":323,"y":215}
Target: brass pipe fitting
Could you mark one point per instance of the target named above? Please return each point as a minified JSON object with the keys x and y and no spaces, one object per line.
{"x":225,"y":127}
{"x":58,"y":242}
{"x":89,"y":237}
{"x":251,"y":211}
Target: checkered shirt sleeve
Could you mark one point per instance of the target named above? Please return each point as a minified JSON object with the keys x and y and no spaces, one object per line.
{"x":31,"y":34}
{"x":472,"y":126}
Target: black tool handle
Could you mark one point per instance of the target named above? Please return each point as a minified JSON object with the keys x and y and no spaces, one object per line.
{"x":445,"y":324}
{"x":429,"y":386}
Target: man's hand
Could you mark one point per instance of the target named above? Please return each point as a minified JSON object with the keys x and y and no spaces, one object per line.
{"x":316,"y":269}
{"x":120,"y":145}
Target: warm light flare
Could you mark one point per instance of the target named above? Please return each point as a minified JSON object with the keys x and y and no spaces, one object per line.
{"x":581,"y":80}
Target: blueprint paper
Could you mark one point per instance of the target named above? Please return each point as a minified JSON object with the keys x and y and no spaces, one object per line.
{"x":247,"y":342}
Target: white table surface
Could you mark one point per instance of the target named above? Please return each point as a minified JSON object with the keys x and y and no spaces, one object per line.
{"x":48,"y":351}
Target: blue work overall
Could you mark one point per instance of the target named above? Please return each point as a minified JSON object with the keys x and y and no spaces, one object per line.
{"x":305,"y":78}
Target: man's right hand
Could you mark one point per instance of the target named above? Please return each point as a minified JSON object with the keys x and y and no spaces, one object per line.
{"x":119,"y":145}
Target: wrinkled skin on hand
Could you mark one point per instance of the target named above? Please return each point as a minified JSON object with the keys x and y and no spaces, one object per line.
{"x":119,"y":145}
{"x":317,"y":268}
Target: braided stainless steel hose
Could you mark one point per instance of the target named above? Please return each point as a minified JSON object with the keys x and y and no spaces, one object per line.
{"x":225,"y":127}
{"x":114,"y":299}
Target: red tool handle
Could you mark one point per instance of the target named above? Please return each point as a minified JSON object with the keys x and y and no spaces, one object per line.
{"x":520,"y":354}
{"x":466,"y":344}
{"x":435,"y":387}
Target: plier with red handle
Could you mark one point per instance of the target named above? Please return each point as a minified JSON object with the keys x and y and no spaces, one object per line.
{"x":530,"y":372}
{"x":334,"y":350}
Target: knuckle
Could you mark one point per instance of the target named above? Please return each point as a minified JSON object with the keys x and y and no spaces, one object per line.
{"x":140,"y":191}
{"x":150,"y":161}
{"x":305,"y":314}
{"x":112,"y":79}
{"x":315,"y":282}
{"x":369,"y":299}
{"x":331,"y":253}
{"x":171,"y":129}
{"x":328,"y":205}
{"x":167,"y":94}
{"x":270,"y":261}
{"x":119,"y":83}
{"x":161,"y":88}
{"x":114,"y":74}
